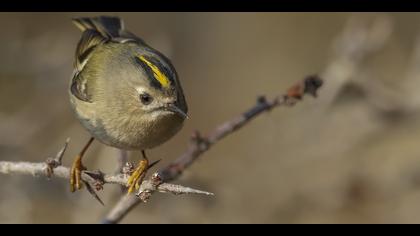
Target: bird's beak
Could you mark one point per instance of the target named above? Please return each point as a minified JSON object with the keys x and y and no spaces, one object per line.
{"x":177,"y":110}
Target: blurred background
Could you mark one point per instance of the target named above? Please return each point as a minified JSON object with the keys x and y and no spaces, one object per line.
{"x":350,"y":156}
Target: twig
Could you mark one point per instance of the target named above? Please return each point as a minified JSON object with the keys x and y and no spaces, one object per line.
{"x":200,"y":144}
{"x":95,"y":178}
{"x":40,"y":169}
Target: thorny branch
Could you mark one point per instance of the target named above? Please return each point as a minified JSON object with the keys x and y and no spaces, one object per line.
{"x":200,"y":144}
{"x":53,"y":167}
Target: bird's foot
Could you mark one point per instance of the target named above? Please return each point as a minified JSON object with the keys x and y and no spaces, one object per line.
{"x":76,"y":174}
{"x":136,"y":178}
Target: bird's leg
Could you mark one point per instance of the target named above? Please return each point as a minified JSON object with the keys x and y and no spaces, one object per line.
{"x":134,"y":181}
{"x":77,"y":168}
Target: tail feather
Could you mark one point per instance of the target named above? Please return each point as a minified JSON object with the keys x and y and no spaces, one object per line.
{"x":107,"y":26}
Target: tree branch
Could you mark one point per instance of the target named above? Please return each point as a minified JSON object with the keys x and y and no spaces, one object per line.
{"x":52,"y":167}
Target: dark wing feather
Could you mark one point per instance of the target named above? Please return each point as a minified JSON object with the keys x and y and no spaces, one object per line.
{"x":108,"y":27}
{"x":96,"y":31}
{"x":90,"y":39}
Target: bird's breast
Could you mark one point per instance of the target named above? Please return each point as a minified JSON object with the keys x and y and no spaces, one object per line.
{"x":136,"y":134}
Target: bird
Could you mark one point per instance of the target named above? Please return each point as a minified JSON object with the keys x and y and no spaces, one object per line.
{"x":125,"y":93}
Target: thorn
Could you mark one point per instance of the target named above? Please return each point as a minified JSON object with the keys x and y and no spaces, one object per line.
{"x":60,"y":154}
{"x":97,"y":175}
{"x":179,"y":189}
{"x":93,"y":193}
{"x":153,"y":163}
{"x":55,"y":162}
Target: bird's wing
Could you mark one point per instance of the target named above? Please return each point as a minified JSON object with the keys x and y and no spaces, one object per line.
{"x":96,"y":31}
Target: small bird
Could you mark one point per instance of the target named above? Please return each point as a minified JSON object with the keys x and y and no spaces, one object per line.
{"x":124,"y":92}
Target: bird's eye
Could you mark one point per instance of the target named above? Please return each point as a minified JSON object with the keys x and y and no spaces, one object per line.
{"x":145,"y":98}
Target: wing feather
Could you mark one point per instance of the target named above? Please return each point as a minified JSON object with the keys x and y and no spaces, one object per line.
{"x":96,"y":31}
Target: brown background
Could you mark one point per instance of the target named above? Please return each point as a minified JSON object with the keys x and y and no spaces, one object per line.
{"x":352,"y":159}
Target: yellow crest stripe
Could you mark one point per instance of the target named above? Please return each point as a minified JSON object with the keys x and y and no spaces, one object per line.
{"x":159,"y":76}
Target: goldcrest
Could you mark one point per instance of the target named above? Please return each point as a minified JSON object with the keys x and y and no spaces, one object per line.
{"x":124,"y":92}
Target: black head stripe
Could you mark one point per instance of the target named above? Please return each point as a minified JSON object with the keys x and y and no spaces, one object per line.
{"x":154,"y":62}
{"x":162,"y":68}
{"x":149,"y":73}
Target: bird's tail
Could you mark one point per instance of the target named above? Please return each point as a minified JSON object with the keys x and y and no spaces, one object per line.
{"x":107,"y":26}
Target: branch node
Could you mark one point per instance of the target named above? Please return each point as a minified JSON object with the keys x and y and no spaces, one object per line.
{"x":261,"y":99}
{"x":198,"y":140}
{"x":312,"y":84}
{"x":94,"y":181}
{"x":148,"y":187}
{"x":53,"y":163}
{"x":309,"y":85}
{"x":156,"y":179}
{"x":128,"y":168}
{"x":97,"y":179}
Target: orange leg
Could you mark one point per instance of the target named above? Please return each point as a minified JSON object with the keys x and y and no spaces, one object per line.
{"x":77,"y":168}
